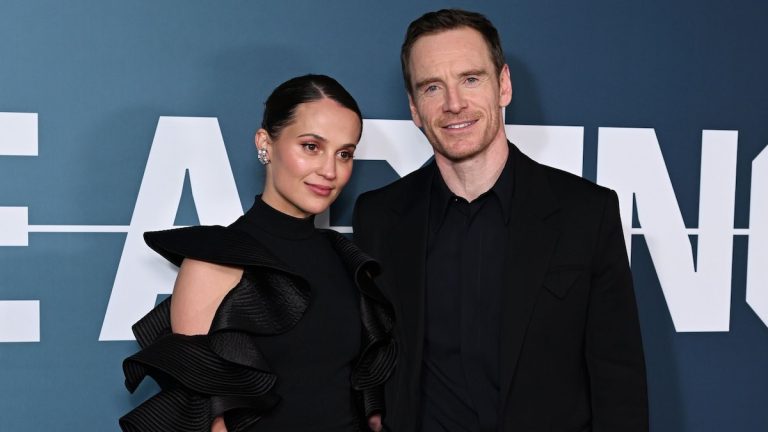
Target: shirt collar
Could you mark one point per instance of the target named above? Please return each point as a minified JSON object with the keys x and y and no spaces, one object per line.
{"x":503,"y":189}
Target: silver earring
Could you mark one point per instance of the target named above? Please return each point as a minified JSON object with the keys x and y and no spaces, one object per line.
{"x":263,"y":156}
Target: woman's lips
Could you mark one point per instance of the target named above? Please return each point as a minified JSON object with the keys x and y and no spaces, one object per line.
{"x":319,"y":189}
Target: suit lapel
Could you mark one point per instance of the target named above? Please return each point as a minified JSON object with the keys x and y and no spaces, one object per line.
{"x":532,"y":241}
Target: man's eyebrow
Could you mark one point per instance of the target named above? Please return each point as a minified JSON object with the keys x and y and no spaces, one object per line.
{"x":481,"y":72}
{"x":313,"y":135}
{"x":424,"y":82}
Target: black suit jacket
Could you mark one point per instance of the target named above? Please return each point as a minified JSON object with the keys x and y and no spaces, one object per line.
{"x":571,"y":351}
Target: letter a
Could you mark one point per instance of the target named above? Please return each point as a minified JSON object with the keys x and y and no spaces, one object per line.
{"x":180,"y":144}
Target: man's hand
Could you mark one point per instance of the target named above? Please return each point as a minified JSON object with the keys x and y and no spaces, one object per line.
{"x":374,"y":422}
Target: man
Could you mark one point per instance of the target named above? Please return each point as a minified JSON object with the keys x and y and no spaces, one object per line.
{"x":512,"y":291}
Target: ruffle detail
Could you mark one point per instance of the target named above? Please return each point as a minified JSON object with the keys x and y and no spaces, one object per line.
{"x":221,"y":373}
{"x":379,"y":353}
{"x":224,"y":372}
{"x":378,"y":357}
{"x":174,"y":409}
{"x":217,"y":244}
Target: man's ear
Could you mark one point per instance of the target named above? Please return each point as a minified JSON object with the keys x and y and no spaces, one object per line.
{"x":505,"y":87}
{"x":414,"y":112}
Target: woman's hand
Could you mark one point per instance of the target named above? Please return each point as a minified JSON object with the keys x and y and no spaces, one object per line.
{"x":218,"y":425}
{"x":374,"y":422}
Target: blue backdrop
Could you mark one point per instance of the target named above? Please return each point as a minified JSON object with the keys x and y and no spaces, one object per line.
{"x":99,"y":75}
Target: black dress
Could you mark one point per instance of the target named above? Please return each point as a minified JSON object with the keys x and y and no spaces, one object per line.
{"x":302,"y":342}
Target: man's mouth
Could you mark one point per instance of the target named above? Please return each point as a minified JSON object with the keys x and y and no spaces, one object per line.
{"x":461,"y":125}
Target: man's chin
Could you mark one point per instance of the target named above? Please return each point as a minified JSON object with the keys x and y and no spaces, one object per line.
{"x":458,"y":155}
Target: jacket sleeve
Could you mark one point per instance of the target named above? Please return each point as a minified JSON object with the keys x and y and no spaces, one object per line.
{"x":613,"y":346}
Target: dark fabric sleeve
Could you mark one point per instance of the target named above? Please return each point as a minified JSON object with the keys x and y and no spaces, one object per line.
{"x":614,"y":351}
{"x":379,"y":355}
{"x":222,"y":373}
{"x":201,"y":377}
{"x":174,"y":409}
{"x":216,"y":244}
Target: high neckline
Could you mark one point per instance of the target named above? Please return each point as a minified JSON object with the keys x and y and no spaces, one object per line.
{"x":272,"y":221}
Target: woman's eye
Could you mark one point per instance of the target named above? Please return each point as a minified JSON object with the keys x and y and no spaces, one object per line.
{"x":310,"y":146}
{"x":346,"y":155}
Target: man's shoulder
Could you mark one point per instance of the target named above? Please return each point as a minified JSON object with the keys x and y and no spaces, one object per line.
{"x":570,"y":188}
{"x":566,"y":182}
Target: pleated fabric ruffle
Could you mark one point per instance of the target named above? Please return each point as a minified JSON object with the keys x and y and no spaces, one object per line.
{"x":378,"y":356}
{"x":223,"y":373}
{"x":220,"y":373}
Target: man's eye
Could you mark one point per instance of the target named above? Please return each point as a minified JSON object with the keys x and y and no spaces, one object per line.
{"x":472,"y":81}
{"x":430,"y":88}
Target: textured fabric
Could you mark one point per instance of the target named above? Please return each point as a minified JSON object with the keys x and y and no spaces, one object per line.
{"x":225,"y":372}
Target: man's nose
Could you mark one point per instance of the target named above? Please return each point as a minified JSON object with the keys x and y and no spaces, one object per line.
{"x":454,"y":100}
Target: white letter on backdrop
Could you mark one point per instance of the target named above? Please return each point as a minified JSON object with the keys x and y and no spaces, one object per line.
{"x":180,"y":144}
{"x":757,"y":263}
{"x":630,"y":161}
{"x":19,"y":319}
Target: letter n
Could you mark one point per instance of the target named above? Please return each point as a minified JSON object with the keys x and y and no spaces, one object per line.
{"x":630,"y":161}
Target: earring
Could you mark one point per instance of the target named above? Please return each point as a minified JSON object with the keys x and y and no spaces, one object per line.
{"x":263,"y":156}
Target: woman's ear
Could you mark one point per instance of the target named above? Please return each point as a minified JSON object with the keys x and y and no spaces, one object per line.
{"x":262,"y":139}
{"x":263,"y":146}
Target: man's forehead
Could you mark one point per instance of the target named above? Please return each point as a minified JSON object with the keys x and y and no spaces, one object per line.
{"x":460,"y":36}
{"x":464,"y":47}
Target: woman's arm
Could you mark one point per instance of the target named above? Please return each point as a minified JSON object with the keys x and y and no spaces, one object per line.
{"x":200,"y":287}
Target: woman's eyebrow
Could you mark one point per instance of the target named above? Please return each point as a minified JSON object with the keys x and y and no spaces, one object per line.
{"x":313,"y":135}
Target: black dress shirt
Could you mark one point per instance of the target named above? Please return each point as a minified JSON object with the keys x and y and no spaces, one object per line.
{"x":467,"y":251}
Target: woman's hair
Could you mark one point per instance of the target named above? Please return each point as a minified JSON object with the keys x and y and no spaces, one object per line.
{"x":280,"y":107}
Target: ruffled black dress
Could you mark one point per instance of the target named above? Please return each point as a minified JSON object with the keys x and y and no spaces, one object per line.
{"x":302,"y":342}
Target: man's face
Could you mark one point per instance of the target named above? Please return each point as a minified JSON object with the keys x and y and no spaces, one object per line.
{"x":457,"y":96}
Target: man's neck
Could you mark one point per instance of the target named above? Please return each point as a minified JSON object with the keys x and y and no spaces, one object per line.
{"x":473,"y":177}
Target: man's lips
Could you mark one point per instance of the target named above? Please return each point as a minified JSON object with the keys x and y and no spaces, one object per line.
{"x":457,"y":126}
{"x":320,"y":189}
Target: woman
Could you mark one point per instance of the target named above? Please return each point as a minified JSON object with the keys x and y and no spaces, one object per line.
{"x":273,"y":325}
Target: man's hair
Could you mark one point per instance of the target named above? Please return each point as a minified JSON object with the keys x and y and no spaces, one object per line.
{"x":449,"y":19}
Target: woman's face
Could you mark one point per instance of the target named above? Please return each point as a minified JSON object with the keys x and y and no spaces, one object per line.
{"x":311,"y":158}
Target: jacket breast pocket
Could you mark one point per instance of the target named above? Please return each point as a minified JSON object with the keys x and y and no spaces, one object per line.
{"x":560,"y":279}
